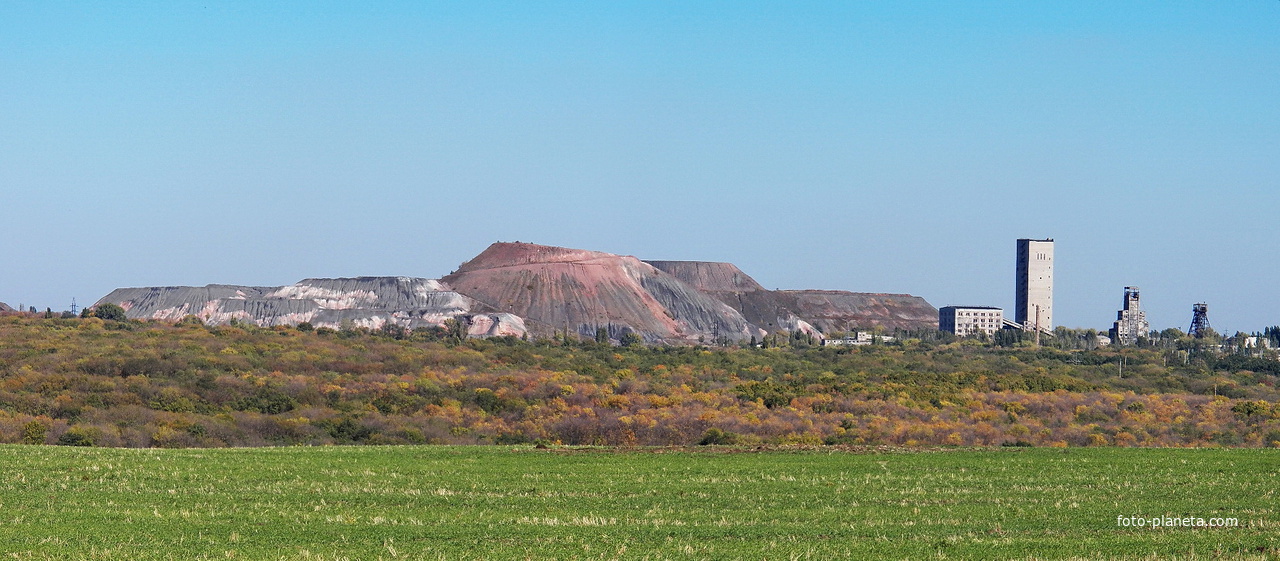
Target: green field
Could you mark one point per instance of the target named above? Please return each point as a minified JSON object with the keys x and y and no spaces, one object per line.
{"x":515,"y":503}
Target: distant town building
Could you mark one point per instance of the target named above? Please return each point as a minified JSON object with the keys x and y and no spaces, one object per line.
{"x":969,"y":320}
{"x":1131,"y":321}
{"x":855,"y":339}
{"x":1034,"y":285}
{"x":1255,"y":342}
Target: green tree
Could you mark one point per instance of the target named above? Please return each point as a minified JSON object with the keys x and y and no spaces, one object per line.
{"x":78,"y":436}
{"x":110,"y":312}
{"x":456,"y":329}
{"x":718,"y":437}
{"x":34,"y":432}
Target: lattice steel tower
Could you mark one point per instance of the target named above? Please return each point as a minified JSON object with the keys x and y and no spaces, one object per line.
{"x":1199,"y":320}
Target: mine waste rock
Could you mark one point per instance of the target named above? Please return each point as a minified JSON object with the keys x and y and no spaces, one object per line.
{"x":809,"y":311}
{"x":838,"y":310}
{"x":727,"y":283}
{"x":369,"y":302}
{"x":523,"y":289}
{"x":579,"y":292}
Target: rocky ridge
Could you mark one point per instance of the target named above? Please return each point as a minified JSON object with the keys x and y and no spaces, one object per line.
{"x":528,"y":289}
{"x":370,"y":302}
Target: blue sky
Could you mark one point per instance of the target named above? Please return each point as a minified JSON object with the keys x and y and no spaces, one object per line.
{"x":867,"y":146}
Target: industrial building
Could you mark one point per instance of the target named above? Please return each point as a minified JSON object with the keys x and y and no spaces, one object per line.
{"x":1034,"y":285}
{"x":1199,"y":321}
{"x":969,"y":320}
{"x":1131,"y":321}
{"x":857,"y":339}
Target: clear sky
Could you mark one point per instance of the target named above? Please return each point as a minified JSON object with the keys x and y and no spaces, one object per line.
{"x":867,"y":146}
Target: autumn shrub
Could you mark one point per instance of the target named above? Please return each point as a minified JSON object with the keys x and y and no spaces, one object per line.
{"x":1251,"y":411}
{"x":252,"y":386}
{"x":1272,"y":438}
{"x":174,"y":400}
{"x":486,"y":400}
{"x":345,"y":430}
{"x":508,"y":438}
{"x":771,"y":394}
{"x":266,"y":400}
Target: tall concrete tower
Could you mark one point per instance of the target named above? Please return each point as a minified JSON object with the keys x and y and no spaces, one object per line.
{"x":1034,"y":285}
{"x":1131,"y":321}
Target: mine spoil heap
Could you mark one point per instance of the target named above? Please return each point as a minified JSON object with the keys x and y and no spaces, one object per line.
{"x":839,"y":310}
{"x":727,"y":283}
{"x":577,"y":291}
{"x":370,"y":302}
{"x":823,"y":310}
{"x":523,"y":289}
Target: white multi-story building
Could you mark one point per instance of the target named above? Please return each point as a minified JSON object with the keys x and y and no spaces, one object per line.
{"x":969,"y":320}
{"x":1034,"y":285}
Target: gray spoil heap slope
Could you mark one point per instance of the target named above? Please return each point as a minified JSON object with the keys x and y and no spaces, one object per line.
{"x":827,"y":310}
{"x":581,"y":291}
{"x":709,"y":276}
{"x":371,"y":302}
{"x":727,"y":283}
{"x":838,"y":310}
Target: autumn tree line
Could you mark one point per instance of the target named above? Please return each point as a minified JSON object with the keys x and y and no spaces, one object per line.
{"x":108,"y":381}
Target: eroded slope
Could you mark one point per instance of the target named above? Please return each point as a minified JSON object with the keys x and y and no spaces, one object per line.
{"x":370,"y":302}
{"x":580,"y":291}
{"x":826,"y":310}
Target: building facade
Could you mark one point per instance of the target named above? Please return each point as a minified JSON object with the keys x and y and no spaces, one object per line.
{"x":1034,"y":285}
{"x":857,"y":339}
{"x":1131,"y":321}
{"x":970,"y":320}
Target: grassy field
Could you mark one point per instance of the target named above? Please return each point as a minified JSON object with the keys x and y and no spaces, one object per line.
{"x":516,"y":503}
